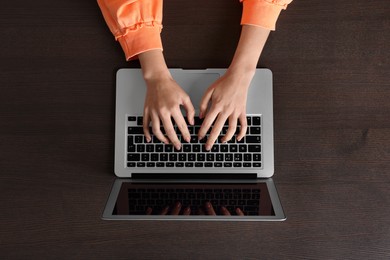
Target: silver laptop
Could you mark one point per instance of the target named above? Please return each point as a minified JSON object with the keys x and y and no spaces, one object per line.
{"x":159,"y":183}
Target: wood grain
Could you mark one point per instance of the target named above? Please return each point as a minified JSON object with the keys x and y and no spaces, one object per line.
{"x":332,"y":132}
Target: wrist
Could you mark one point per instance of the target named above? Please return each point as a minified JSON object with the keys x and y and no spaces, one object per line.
{"x":153,"y":66}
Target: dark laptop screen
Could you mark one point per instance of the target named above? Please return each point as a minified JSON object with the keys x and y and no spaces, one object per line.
{"x":250,"y":199}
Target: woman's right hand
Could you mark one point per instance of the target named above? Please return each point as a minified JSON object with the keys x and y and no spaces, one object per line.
{"x":162,"y":104}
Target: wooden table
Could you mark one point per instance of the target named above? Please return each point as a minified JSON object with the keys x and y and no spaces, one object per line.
{"x":331,"y":66}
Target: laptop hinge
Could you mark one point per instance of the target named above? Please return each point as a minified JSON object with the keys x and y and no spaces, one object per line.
{"x":197,"y":176}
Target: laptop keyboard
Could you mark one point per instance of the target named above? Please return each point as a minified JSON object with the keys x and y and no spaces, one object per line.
{"x":245,"y":153}
{"x":247,"y":200}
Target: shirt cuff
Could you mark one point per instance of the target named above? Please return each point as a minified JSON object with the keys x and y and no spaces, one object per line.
{"x":142,"y":39}
{"x":260,"y":13}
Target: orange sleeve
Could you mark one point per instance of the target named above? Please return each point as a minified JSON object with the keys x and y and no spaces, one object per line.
{"x":262,"y":13}
{"x":136,"y":24}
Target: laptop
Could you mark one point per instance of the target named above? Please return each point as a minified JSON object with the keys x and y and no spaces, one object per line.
{"x":232,"y":182}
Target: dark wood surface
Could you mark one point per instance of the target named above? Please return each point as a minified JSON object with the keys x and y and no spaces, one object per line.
{"x":332,"y":132}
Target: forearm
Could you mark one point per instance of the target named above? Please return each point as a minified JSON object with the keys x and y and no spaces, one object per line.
{"x":249,"y":48}
{"x":153,"y":65}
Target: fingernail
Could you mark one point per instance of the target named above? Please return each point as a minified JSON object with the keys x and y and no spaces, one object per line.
{"x":177,"y":204}
{"x":187,"y":138}
{"x":208,"y":147}
{"x":201,"y":115}
{"x":208,"y":205}
{"x":148,"y":139}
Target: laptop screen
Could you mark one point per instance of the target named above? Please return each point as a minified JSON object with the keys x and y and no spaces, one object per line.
{"x":193,"y":199}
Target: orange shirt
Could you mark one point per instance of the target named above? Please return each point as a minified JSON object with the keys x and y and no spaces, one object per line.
{"x":137,"y":24}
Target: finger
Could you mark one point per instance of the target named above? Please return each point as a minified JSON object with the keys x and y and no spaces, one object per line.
{"x":164,"y":211}
{"x":156,"y":129}
{"x":149,"y":211}
{"x":231,"y":130}
{"x":239,"y":212}
{"x":145,"y":124}
{"x":224,"y":211}
{"x":182,"y":125}
{"x":209,"y":209}
{"x":176,"y":208}
{"x":190,"y":110}
{"x":170,"y":131}
{"x":187,"y":211}
{"x":205,"y":102}
{"x":207,"y":122}
{"x":244,"y":126}
{"x":215,"y":131}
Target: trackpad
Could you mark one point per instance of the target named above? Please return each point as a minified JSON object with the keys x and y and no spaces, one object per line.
{"x":195,"y":84}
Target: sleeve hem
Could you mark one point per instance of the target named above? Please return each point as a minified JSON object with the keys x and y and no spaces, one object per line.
{"x":144,"y":39}
{"x":260,"y":13}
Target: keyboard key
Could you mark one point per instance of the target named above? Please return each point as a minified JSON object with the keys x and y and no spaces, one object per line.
{"x":256,"y":120}
{"x":196,"y":148}
{"x":249,"y":120}
{"x":257,"y":165}
{"x":191,"y":157}
{"x":201,"y":157}
{"x":247,"y":157}
{"x":131,"y":118}
{"x":233,"y":148}
{"x":237,"y":157}
{"x":210,"y":157}
{"x":160,"y":164}
{"x":219,"y":157}
{"x":133,"y":157}
{"x":131,"y":164}
{"x":228,"y":157}
{"x":256,"y":157}
{"x":182,"y":157}
{"x":198,"y":164}
{"x":150,"y":164}
{"x":173,"y":157}
{"x":131,"y":148}
{"x":140,"y":148}
{"x":170,"y":164}
{"x":145,"y":157}
{"x":254,"y":148}
{"x":163,"y":157}
{"x":255,"y":130}
{"x":217,"y":164}
{"x":227,"y":164}
{"x":168,"y":148}
{"x":237,"y":164}
{"x":140,"y":120}
{"x":140,"y":164}
{"x":134,"y":130}
{"x":159,"y":148}
{"x":138,"y":139}
{"x":224,"y":148}
{"x":246,"y":164}
{"x":150,"y":148}
{"x":242,"y":148}
{"x":208,"y":164}
{"x":189,"y":164}
{"x":186,"y":148}
{"x":252,"y":139}
{"x":154,"y":157}
{"x":179,"y":164}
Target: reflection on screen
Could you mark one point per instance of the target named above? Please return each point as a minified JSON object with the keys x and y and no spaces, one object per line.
{"x":193,"y":199}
